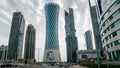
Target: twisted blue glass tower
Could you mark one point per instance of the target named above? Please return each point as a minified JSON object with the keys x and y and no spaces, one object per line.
{"x":52,"y":53}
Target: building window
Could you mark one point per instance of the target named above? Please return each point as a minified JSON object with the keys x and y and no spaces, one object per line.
{"x":103,"y":24}
{"x":118,"y":1}
{"x":106,"y":38}
{"x":114,"y":5}
{"x":112,"y":25}
{"x":105,"y":31}
{"x":104,"y":48}
{"x":116,"y":13}
{"x":108,"y":46}
{"x":103,"y":40}
{"x":118,"y":32}
{"x":111,"y":44}
{"x":117,"y":22}
{"x":108,"y":28}
{"x":114,"y":34}
{"x":116,"y":42}
{"x":110,"y":18}
{"x":109,"y":36}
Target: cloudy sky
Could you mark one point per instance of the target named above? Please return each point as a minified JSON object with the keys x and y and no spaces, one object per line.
{"x":33,"y":11}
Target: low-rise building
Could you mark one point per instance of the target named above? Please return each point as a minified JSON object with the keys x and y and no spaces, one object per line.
{"x":3,"y":52}
{"x":84,"y":55}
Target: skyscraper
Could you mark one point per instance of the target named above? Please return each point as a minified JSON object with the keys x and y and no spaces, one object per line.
{"x":88,"y":39}
{"x":15,"y":45}
{"x":52,"y":53}
{"x":109,"y":25}
{"x":29,"y":51}
{"x":71,"y":39}
{"x":96,"y":31}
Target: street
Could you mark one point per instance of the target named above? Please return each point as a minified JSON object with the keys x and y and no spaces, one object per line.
{"x":45,"y":66}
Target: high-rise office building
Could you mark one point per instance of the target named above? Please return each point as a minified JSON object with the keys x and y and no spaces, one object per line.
{"x":71,"y":39}
{"x":88,"y":39}
{"x":109,"y":25}
{"x":29,"y":49}
{"x":52,"y":53}
{"x":15,"y":46}
{"x":96,"y":30}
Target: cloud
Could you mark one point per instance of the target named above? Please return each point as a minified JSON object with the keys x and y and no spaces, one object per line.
{"x":33,"y":11}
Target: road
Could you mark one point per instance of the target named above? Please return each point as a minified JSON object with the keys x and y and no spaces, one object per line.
{"x":45,"y":66}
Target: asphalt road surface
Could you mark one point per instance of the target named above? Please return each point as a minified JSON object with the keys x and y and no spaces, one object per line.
{"x":45,"y":66}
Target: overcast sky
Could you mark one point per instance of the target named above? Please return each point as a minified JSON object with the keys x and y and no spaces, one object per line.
{"x":33,"y":11}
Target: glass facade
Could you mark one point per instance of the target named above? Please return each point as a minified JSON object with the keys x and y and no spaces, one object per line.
{"x":15,"y":45}
{"x":96,"y":31}
{"x":71,"y":39}
{"x":52,"y":13}
{"x":88,"y":39}
{"x":29,"y":49}
{"x":52,"y":53}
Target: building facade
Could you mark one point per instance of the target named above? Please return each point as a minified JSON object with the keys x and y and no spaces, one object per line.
{"x":52,"y":53}
{"x":3,"y":52}
{"x":29,"y":49}
{"x":88,"y":39}
{"x":109,"y":25}
{"x":86,"y":55}
{"x":71,"y":39}
{"x":15,"y":46}
{"x":96,"y":31}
